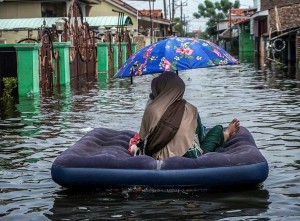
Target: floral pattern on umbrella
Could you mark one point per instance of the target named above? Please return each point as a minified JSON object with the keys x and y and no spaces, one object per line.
{"x":173,"y":54}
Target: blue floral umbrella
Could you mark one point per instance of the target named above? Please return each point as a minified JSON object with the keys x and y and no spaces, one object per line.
{"x":175,"y":54}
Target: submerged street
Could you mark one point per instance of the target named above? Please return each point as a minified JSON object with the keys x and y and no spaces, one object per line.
{"x":35,"y":130}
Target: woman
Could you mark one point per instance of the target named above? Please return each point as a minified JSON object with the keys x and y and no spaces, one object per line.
{"x":171,"y":126}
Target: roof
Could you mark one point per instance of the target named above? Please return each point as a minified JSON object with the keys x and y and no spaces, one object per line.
{"x":91,"y":1}
{"x":239,"y":15}
{"x":123,"y":5}
{"x":85,"y":1}
{"x":243,"y":11}
{"x":241,"y":21}
{"x":260,"y":15}
{"x":155,"y":13}
{"x":36,"y":23}
{"x":108,"y":21}
{"x":226,"y":34}
{"x":158,"y":15}
{"x":197,"y":31}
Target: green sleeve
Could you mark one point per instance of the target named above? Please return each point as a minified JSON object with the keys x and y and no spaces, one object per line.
{"x":200,"y":129}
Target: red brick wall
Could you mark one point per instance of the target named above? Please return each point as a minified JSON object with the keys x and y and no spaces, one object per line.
{"x":267,"y":4}
{"x":288,"y":17}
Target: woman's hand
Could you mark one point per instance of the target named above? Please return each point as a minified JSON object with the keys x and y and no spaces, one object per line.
{"x":132,"y":148}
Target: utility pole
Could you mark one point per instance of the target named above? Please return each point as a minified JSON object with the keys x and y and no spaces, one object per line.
{"x":173,"y":9}
{"x":181,"y":13}
{"x":181,"y":8}
{"x":165,"y":9}
{"x":185,"y":22}
{"x":151,"y":20}
{"x":230,"y":34}
{"x":217,"y":31}
{"x":170,"y":11}
{"x":185,"y":26}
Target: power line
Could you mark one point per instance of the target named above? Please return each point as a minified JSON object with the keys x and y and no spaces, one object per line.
{"x":181,"y":7}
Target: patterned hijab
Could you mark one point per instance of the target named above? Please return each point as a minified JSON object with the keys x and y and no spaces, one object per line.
{"x":167,"y":88}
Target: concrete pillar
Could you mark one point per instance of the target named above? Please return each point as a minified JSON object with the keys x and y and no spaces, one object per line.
{"x":64,"y":61}
{"x":102,"y":57}
{"x":116,"y":54}
{"x":262,"y":51}
{"x":124,"y":51}
{"x":133,"y":47}
{"x":28,"y":68}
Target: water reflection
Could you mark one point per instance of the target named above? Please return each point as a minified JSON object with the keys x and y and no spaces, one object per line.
{"x":267,"y":101}
{"x":153,"y":204}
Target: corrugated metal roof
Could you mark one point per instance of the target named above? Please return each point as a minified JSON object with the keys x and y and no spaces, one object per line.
{"x":108,"y":21}
{"x":36,"y":23}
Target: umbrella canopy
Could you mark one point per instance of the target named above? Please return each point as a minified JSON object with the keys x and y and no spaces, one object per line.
{"x":176,"y":53}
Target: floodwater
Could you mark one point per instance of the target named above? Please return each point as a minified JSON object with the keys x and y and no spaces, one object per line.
{"x":35,"y":130}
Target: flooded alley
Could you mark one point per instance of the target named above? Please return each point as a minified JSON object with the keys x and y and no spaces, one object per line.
{"x":35,"y":130}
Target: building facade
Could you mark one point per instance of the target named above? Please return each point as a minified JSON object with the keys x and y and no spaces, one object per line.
{"x":276,"y":27}
{"x":12,"y":9}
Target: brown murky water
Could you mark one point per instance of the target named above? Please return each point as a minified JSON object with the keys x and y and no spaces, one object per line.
{"x":36,"y":130}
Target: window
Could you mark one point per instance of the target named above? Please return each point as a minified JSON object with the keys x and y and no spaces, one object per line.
{"x":54,"y":9}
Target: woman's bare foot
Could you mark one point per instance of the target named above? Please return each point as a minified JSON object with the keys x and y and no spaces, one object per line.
{"x":232,"y":128}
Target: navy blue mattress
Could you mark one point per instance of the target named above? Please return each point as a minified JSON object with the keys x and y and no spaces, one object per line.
{"x":100,"y":159}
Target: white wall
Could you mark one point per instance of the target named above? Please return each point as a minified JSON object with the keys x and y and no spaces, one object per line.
{"x":256,"y":4}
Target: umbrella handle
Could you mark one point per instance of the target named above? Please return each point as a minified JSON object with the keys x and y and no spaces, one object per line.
{"x":131,"y":73}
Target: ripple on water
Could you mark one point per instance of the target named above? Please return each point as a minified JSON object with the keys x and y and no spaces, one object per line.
{"x":267,"y":103}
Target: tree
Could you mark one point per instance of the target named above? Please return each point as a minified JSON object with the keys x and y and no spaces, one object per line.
{"x":201,"y":35}
{"x":214,"y":11}
{"x":179,"y":27}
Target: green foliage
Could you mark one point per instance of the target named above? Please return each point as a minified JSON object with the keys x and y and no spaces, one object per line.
{"x":9,"y":84}
{"x":202,"y":35}
{"x":179,"y":27}
{"x":7,"y":106}
{"x":214,"y":11}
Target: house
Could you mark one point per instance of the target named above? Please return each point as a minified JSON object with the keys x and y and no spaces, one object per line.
{"x":225,"y":35}
{"x":276,"y":30}
{"x":197,"y":33}
{"x":246,"y":42}
{"x":259,"y":31}
{"x":228,"y":39}
{"x":229,"y":30}
{"x":222,"y":26}
{"x":154,"y":20}
{"x":31,"y":12}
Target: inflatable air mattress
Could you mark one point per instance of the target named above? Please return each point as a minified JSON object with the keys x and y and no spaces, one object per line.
{"x":100,"y":159}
